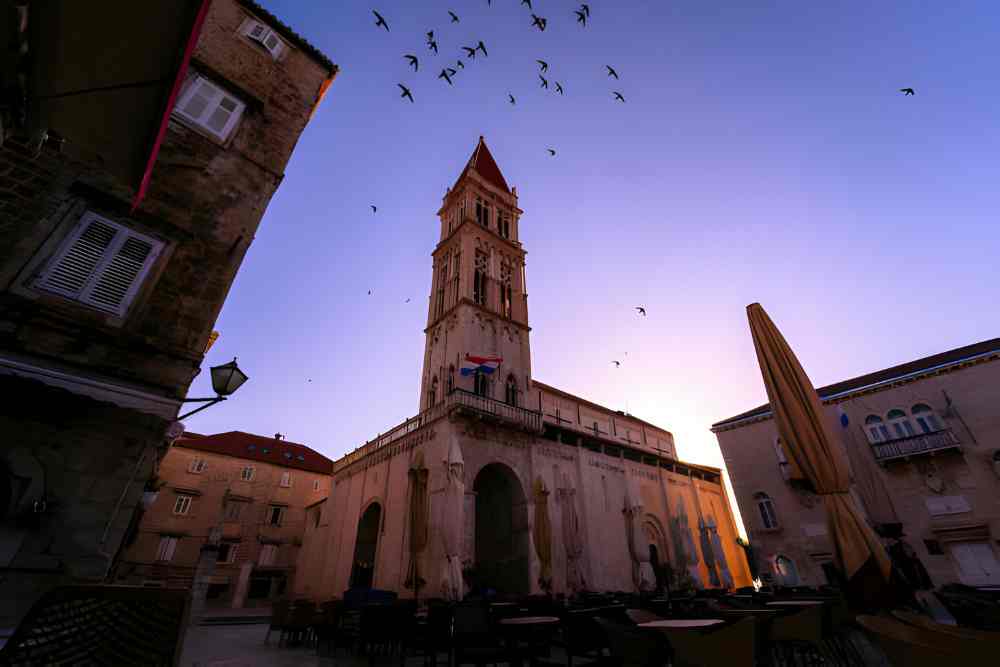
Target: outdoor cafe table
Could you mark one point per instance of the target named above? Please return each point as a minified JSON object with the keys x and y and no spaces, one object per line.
{"x":682,"y":623}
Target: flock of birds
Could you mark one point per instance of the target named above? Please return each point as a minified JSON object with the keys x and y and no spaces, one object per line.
{"x":449,"y":72}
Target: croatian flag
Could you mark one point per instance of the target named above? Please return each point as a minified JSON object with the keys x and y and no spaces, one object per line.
{"x":473,"y":364}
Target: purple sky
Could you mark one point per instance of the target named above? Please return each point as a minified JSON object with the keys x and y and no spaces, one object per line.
{"x":764,"y":154}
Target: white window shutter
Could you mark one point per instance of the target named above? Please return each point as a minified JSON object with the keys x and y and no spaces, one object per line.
{"x":116,"y":282}
{"x":210,"y":107}
{"x":74,"y":264}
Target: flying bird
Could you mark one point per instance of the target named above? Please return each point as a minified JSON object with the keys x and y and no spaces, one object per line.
{"x":407,"y":301}
{"x":618,"y":96}
{"x":413,"y":61}
{"x":545,"y":82}
{"x":559,"y":88}
{"x":538,"y":21}
{"x":512,"y":100}
{"x":581,"y":17}
{"x":586,"y":10}
{"x":380,"y":21}
{"x":641,"y":310}
{"x":482,"y":47}
{"x":374,"y":209}
{"x":611,"y":71}
{"x":454,"y":17}
{"x":433,"y":46}
{"x":461,"y":64}
{"x":406,"y":92}
{"x":526,"y":2}
{"x":470,"y":52}
{"x":369,"y":292}
{"x":430,"y":35}
{"x":446,"y":76}
{"x":552,"y":152}
{"x":617,"y":364}
{"x":545,"y":65}
{"x":907,"y":91}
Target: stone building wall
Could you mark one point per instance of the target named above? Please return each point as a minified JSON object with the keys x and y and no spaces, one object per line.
{"x":943,"y":499}
{"x":601,"y":484}
{"x":109,"y":386}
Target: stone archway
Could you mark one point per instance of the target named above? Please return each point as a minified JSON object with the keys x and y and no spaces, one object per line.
{"x":501,"y":541}
{"x":366,"y":547}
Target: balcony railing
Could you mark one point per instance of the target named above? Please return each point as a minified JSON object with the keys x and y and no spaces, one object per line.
{"x":915,"y":445}
{"x":458,"y":399}
{"x":490,"y":407}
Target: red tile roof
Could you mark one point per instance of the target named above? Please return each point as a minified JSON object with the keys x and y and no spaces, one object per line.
{"x":259,"y":448}
{"x":484,"y":164}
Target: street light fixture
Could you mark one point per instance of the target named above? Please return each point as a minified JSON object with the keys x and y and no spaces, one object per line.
{"x":226,"y":379}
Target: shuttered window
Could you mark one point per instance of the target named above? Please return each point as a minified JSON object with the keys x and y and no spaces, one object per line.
{"x":168,"y":545}
{"x":209,"y":107}
{"x":101,"y":264}
{"x":260,"y":33}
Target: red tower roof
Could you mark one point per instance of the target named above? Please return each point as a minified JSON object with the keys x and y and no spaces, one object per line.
{"x":484,"y":164}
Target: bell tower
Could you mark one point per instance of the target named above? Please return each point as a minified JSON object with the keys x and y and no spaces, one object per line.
{"x":478,"y":304}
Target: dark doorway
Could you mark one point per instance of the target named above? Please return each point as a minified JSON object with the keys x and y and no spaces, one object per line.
{"x":654,"y":560}
{"x":366,"y":546}
{"x":501,"y":532}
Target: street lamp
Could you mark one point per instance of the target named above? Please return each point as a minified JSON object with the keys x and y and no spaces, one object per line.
{"x":226,"y":379}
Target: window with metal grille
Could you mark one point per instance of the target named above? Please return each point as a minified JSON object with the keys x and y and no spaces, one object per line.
{"x":247,"y":473}
{"x":101,"y":264}
{"x":264,"y":36}
{"x":227,"y":552}
{"x":286,"y":479}
{"x":182,"y":505}
{"x":198,"y":466}
{"x":275,"y":515}
{"x":168,"y":545}
{"x":208,"y":106}
{"x":233,"y":510}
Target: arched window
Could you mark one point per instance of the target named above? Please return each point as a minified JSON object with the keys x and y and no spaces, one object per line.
{"x":787,"y":573}
{"x":482,"y":384}
{"x":432,"y":394}
{"x":506,"y":292}
{"x":779,"y":451}
{"x":442,"y":281}
{"x":479,"y":279}
{"x":900,"y":423}
{"x":926,"y":419}
{"x":450,"y":381}
{"x":766,"y":508}
{"x":482,"y":212}
{"x":510,"y":391}
{"x":876,"y":430}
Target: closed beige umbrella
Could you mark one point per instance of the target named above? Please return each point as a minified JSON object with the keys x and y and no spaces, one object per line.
{"x":543,"y":534}
{"x":807,"y":436}
{"x":418,"y":521}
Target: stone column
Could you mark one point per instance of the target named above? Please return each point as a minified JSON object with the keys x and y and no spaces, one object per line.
{"x":242,"y":584}
{"x":202,"y":576}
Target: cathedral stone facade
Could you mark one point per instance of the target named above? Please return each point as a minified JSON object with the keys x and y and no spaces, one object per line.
{"x":503,"y":482}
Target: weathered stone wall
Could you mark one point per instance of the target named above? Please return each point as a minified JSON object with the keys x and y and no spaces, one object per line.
{"x":601,"y":483}
{"x":971,"y":475}
{"x":87,"y":461}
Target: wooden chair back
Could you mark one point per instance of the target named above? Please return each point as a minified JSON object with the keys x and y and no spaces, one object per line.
{"x":102,"y":625}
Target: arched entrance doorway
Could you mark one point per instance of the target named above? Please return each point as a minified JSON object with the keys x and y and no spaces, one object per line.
{"x":366,"y":546}
{"x":501,"y":531}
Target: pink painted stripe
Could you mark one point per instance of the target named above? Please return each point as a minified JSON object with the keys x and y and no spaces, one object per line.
{"x":174,"y":92}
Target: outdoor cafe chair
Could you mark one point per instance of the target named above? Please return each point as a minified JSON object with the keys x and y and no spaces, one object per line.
{"x":992,"y":639}
{"x":733,"y":645}
{"x":582,"y":636}
{"x":909,"y":646}
{"x":279,"y":619}
{"x":300,"y":622}
{"x":798,"y":636}
{"x":101,"y":625}
{"x":474,"y":642}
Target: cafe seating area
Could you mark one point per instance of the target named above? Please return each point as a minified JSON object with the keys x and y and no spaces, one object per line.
{"x":746,"y":627}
